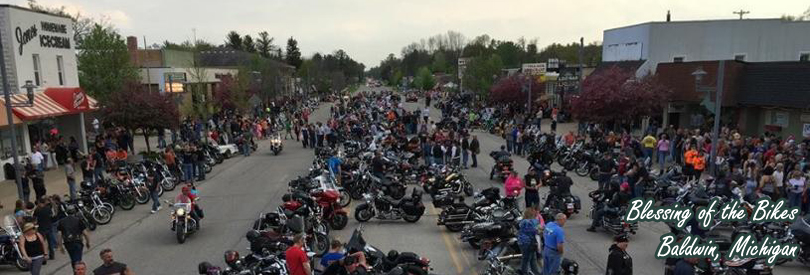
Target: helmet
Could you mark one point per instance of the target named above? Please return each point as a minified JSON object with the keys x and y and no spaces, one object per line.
{"x":70,"y":209}
{"x":87,"y":185}
{"x":252,"y":235}
{"x":203,"y":267}
{"x":231,"y":257}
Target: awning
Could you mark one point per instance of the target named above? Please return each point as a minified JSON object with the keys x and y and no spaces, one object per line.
{"x":74,"y":100}
{"x":43,"y":107}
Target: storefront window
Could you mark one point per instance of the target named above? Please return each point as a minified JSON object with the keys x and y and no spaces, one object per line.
{"x":5,"y":141}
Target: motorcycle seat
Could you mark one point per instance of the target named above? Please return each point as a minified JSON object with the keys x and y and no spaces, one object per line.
{"x":391,"y":201}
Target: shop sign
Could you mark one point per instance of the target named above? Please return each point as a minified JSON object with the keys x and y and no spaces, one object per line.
{"x":805,"y":117}
{"x":51,"y":38}
{"x":806,"y":130}
{"x":534,"y":68}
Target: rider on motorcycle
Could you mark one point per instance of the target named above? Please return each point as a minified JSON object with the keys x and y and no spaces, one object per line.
{"x":561,"y":187}
{"x":618,"y":200}
{"x":186,"y":196}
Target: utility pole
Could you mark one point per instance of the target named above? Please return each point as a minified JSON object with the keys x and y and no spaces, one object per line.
{"x":718,"y":107}
{"x":11,"y":126}
{"x":741,"y":12}
{"x":148,"y":76}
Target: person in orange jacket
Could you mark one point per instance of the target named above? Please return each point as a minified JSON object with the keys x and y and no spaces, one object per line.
{"x":689,"y":162}
{"x":699,"y":162}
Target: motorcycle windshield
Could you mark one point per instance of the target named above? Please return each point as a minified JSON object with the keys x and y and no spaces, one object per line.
{"x":11,"y":226}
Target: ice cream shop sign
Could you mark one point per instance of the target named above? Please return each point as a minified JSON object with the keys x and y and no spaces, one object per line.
{"x":54,"y":35}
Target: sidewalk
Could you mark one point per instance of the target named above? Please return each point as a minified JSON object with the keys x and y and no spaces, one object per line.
{"x":55,"y":181}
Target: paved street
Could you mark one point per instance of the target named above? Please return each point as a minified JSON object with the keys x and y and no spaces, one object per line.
{"x":241,"y":188}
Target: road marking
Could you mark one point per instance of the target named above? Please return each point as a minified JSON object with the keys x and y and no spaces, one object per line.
{"x":450,"y":247}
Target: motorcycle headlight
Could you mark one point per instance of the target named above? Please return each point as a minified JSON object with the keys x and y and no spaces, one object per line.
{"x":81,"y":204}
{"x":180,"y":212}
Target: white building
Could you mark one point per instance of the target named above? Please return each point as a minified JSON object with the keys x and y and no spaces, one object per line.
{"x":39,"y":47}
{"x":750,"y":40}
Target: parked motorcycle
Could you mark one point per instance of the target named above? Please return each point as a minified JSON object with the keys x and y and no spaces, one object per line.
{"x":386,"y":208}
{"x":89,"y":201}
{"x":612,"y":221}
{"x":502,"y":168}
{"x":456,"y":214}
{"x":9,"y":249}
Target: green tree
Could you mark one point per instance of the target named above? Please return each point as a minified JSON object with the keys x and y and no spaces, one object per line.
{"x":293,"y":53}
{"x":103,"y":63}
{"x":264,"y":45}
{"x":248,"y":44}
{"x":439,"y":62}
{"x":137,"y":109}
{"x":481,"y":73}
{"x":424,"y":79}
{"x":233,"y":40}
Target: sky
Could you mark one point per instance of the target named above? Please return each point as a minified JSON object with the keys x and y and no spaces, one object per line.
{"x":368,"y":30}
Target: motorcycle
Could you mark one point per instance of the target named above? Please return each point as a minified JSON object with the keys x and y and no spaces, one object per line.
{"x":80,"y":212}
{"x":799,"y":234}
{"x":455,"y":215}
{"x":408,"y":262}
{"x":275,"y":144}
{"x":385,"y":208}
{"x":502,"y":168}
{"x":454,"y":183}
{"x":332,"y":212}
{"x":487,"y":234}
{"x":612,"y":221}
{"x":119,"y":194}
{"x":9,"y":249}
{"x":89,"y":201}
{"x":183,"y":224}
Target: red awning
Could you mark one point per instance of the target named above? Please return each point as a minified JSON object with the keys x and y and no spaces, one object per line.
{"x":75,"y":100}
{"x":43,"y":107}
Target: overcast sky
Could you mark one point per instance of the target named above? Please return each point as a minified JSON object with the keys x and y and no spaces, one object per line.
{"x":370,"y":29}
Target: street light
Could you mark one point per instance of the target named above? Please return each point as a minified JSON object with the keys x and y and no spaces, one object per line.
{"x":699,"y":73}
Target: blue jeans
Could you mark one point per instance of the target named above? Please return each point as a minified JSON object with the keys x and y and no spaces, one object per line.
{"x":551,"y":261}
{"x":98,"y":176}
{"x":528,"y":261}
{"x":509,"y":145}
{"x":188,"y":172}
{"x":74,"y":251}
{"x":161,"y":142}
{"x":72,"y":188}
{"x":155,"y":200}
{"x":662,"y":158}
{"x":795,"y":200}
{"x":465,"y":155}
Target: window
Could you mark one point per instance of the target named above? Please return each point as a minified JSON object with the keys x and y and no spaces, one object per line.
{"x":678,"y":59}
{"x":37,"y":75}
{"x":60,"y":70}
{"x":804,"y":57}
{"x":781,"y":119}
{"x":739,"y":57}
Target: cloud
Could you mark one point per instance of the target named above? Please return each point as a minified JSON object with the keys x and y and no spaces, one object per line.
{"x":117,"y":18}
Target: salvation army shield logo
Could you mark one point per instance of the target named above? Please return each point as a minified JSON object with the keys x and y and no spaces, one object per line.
{"x":78,"y":99}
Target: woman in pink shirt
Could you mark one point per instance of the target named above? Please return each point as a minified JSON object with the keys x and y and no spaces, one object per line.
{"x":663,"y":151}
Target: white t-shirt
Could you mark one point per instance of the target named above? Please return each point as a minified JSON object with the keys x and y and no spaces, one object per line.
{"x":36,"y":158}
{"x":796,"y":185}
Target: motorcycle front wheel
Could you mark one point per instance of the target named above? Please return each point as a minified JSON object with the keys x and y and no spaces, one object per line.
{"x":21,"y":264}
{"x":582,"y":169}
{"x":142,"y":196}
{"x":168,"y":184}
{"x":208,"y":169}
{"x":319,"y":244}
{"x":468,"y":189}
{"x":101,"y":215}
{"x":411,"y":218}
{"x":127,"y":202}
{"x":339,"y":221}
{"x":363,"y":213}
{"x":181,"y":234}
{"x":345,"y":199}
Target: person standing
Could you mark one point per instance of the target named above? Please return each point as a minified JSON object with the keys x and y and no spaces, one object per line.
{"x":663,"y":147}
{"x":305,"y":136}
{"x":110,"y":266}
{"x":528,"y":229}
{"x":37,"y":159}
{"x":532,"y":195}
{"x":465,"y":151}
{"x":797,"y":189}
{"x":70,"y":175}
{"x":648,"y":145}
{"x":685,"y":266}
{"x":297,"y":260}
{"x":72,"y":232}
{"x":619,"y":262}
{"x":33,"y":247}
{"x":553,"y":245}
{"x":475,"y":149}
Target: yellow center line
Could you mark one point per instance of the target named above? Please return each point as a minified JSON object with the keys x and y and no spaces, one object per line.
{"x":450,"y":247}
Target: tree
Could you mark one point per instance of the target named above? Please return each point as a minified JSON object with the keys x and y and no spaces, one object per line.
{"x":616,"y":96}
{"x":439,"y":63}
{"x":230,"y":93}
{"x":801,"y":17}
{"x":481,"y":73}
{"x":137,"y":109}
{"x":248,"y":45}
{"x":233,"y":40}
{"x":424,"y":79}
{"x":264,"y":45}
{"x":103,"y":63}
{"x":293,"y":53}
{"x":512,"y":89}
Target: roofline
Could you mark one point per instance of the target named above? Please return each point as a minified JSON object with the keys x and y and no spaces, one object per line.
{"x":36,"y":11}
{"x":703,"y":21}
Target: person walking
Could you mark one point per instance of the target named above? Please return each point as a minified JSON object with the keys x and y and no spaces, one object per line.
{"x":152,"y":184}
{"x":475,"y":149}
{"x":465,"y":151}
{"x":305,"y":136}
{"x":528,"y":229}
{"x":110,"y":266}
{"x":553,"y":245}
{"x":33,"y":247}
{"x":80,"y":268}
{"x":45,"y":220}
{"x":619,"y":262}
{"x":648,"y":145}
{"x":74,"y":236}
